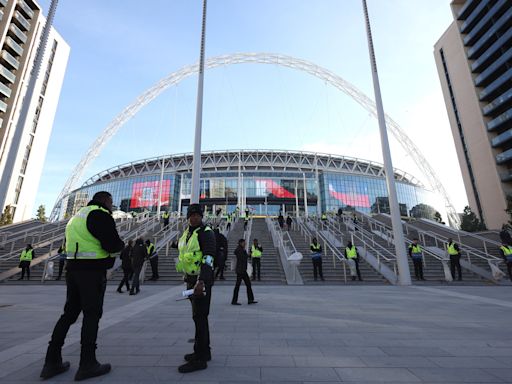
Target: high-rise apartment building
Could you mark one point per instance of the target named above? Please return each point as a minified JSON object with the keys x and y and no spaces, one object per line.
{"x":21,"y":24}
{"x":474,"y":61}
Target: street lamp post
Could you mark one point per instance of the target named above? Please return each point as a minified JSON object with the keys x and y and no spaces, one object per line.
{"x":196,"y":168}
{"x":398,"y":234}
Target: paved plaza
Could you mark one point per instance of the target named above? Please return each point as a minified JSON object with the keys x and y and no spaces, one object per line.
{"x":328,"y":334}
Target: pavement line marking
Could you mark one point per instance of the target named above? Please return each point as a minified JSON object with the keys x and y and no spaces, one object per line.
{"x":486,"y":300}
{"x":108,"y":319}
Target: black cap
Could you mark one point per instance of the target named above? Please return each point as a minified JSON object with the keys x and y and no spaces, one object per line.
{"x":194,"y":208}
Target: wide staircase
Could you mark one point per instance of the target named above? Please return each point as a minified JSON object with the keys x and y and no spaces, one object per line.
{"x":433,"y":269}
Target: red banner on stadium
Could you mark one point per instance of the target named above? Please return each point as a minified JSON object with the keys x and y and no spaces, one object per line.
{"x":275,"y":189}
{"x":352,"y":199}
{"x":145,"y":194}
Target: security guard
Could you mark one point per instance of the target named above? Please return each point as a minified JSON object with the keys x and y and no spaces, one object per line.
{"x":324,"y":217}
{"x":454,"y":252}
{"x":229,"y":219}
{"x":26,"y":257}
{"x":417,"y":258}
{"x":91,"y":239}
{"x":165,"y":216}
{"x":353,"y":256}
{"x":196,"y":251}
{"x":256,"y":252}
{"x":316,"y":257}
{"x":153,"y":260}
{"x":506,"y":253}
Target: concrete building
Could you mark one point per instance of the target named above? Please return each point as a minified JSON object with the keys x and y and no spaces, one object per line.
{"x":21,"y":24}
{"x":474,"y":61}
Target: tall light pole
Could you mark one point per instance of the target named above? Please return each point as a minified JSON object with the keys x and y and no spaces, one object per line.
{"x":196,"y":167}
{"x":398,"y":234}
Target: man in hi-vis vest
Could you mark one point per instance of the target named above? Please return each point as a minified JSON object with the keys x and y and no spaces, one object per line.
{"x":196,"y":252}
{"x":256,"y":252}
{"x":91,"y":240}
{"x":26,"y":256}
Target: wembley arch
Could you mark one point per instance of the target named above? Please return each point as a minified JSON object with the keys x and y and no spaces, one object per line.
{"x":255,"y":58}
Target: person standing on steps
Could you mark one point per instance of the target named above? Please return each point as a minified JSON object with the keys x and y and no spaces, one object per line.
{"x":289,"y":222}
{"x":256,"y":253}
{"x":62,"y":260}
{"x":316,"y":257}
{"x":26,"y":257}
{"x":241,"y":274}
{"x":506,"y":253}
{"x":197,"y":250}
{"x":165,"y":216}
{"x":139,"y":255}
{"x":126,"y":265}
{"x":221,"y":255}
{"x":153,"y":260}
{"x":454,"y":253}
{"x":352,"y":256}
{"x":91,"y":241}
{"x":416,"y":254}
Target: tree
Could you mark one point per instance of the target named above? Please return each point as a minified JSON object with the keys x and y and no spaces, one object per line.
{"x":438,"y":218}
{"x":6,"y":217}
{"x":41,"y":214}
{"x":470,"y":222}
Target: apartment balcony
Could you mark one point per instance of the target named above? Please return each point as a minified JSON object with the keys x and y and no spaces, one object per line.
{"x":484,"y":23}
{"x":504,"y":157}
{"x":6,"y":74}
{"x":466,"y":9}
{"x":5,"y":90}
{"x":10,"y":60}
{"x":9,"y":41}
{"x":492,"y":72}
{"x":26,"y":10}
{"x":502,"y":138}
{"x":18,"y":33}
{"x":491,"y":52}
{"x":474,"y":16}
{"x":22,"y":22}
{"x":500,"y":120}
{"x":496,"y":86}
{"x":506,"y":176}
{"x":499,"y":27}
{"x":3,"y":106}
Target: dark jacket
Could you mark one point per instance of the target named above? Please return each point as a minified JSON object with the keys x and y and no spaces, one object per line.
{"x":103,"y":227}
{"x":222,"y":249}
{"x":241,"y":260}
{"x":125,"y":256}
{"x":139,"y":254}
{"x":289,"y":221}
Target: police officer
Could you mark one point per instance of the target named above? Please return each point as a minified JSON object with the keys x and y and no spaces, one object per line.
{"x":506,"y":253}
{"x":353,"y":257}
{"x":91,"y":238}
{"x":316,"y":257}
{"x":417,"y":259}
{"x":229,"y":218}
{"x":256,"y":252}
{"x":196,"y":252}
{"x":153,"y":260}
{"x":26,"y":257}
{"x":165,"y":216}
{"x":454,"y":252}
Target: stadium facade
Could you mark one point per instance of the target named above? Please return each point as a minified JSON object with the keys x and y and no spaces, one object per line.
{"x":265,"y":181}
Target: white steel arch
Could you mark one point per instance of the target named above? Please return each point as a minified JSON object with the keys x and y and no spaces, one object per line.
{"x":256,"y":58}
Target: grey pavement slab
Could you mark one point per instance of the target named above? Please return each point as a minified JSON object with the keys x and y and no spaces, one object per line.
{"x":362,"y":334}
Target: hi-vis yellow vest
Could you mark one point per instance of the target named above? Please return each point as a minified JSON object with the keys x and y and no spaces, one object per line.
{"x":26,"y":255}
{"x":351,"y":252}
{"x":452,"y":250}
{"x":165,"y":215}
{"x":191,"y":256}
{"x":255,"y":252}
{"x":80,"y":244}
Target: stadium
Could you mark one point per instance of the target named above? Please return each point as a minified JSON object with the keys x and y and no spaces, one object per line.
{"x":265,"y":181}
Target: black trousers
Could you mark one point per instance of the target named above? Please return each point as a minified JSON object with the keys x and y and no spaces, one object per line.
{"x":154,"y":267}
{"x":25,"y":267}
{"x":247,"y":281}
{"x":136,"y":278}
{"x":455,"y":264}
{"x":228,"y":226}
{"x":220,"y":269}
{"x":128,"y":274}
{"x":356,"y":260}
{"x":256,"y":268}
{"x":317,"y":267}
{"x":200,"y":312}
{"x":85,"y":293}
{"x":509,"y":269}
{"x":61,"y":267}
{"x":418,"y":268}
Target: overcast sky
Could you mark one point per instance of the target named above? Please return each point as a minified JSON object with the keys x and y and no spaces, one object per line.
{"x":120,"y":48}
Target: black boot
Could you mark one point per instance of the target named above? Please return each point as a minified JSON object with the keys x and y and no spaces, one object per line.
{"x":89,"y":366}
{"x":193,"y":365}
{"x":53,"y":364}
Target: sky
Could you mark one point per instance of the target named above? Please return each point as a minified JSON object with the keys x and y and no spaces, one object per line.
{"x":119,"y":49}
